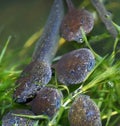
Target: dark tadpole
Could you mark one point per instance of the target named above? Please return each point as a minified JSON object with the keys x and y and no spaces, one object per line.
{"x":104,"y":15}
{"x":74,"y":20}
{"x":74,"y":66}
{"x":10,"y":119}
{"x":31,"y":80}
{"x":84,"y":112}
{"x":47,"y":101}
{"x":38,"y":72}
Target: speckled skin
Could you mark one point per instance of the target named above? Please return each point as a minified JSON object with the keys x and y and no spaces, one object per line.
{"x":75,"y":20}
{"x":47,"y":101}
{"x":31,"y":80}
{"x":84,"y":112}
{"x":11,"y":120}
{"x":38,"y":72}
{"x":74,"y":66}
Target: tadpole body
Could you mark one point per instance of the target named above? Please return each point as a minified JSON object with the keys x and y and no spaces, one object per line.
{"x":84,"y":112}
{"x":38,"y":72}
{"x":74,"y":66}
{"x":47,"y":102}
{"x":10,"y":119}
{"x":74,"y":20}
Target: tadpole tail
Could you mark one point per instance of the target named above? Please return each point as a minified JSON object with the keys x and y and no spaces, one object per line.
{"x":103,"y":13}
{"x":70,"y":5}
{"x":47,"y":45}
{"x":38,"y":72}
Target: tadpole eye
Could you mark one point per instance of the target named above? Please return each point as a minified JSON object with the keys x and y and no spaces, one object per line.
{"x":91,"y":64}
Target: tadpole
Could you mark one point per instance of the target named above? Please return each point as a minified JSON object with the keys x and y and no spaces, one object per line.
{"x":74,"y":20}
{"x":47,"y":102}
{"x":38,"y":72}
{"x":84,"y":112}
{"x":74,"y":66}
{"x":104,"y":15}
{"x":10,"y":119}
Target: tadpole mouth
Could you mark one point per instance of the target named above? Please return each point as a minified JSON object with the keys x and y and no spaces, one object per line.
{"x":27,"y":94}
{"x":23,"y":100}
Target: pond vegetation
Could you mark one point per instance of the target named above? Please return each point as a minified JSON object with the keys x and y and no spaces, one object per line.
{"x":102,"y":84}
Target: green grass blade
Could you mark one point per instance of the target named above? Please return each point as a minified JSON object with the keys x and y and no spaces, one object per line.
{"x":4,"y":49}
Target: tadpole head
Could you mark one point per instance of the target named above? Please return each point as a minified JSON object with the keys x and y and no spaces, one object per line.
{"x":74,"y":66}
{"x":84,"y":112}
{"x":74,"y":21}
{"x":34,"y":76}
{"x":10,"y":119}
{"x":47,"y":101}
